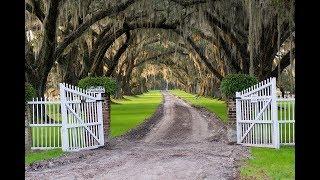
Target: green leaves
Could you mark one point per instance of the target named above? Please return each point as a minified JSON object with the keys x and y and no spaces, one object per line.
{"x":30,"y":92}
{"x":236,"y":82}
{"x":108,"y":83}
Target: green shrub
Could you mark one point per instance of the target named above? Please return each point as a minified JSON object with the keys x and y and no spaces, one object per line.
{"x":108,"y":83}
{"x":236,"y":82}
{"x":30,"y":92}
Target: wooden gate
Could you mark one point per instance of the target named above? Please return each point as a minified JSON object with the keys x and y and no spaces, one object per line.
{"x":257,"y":121}
{"x":82,"y":126}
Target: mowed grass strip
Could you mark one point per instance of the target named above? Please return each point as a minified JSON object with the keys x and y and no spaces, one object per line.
{"x":125,"y":115}
{"x":132,"y":111}
{"x":214,"y":105}
{"x":265,"y":163}
{"x":42,"y":155}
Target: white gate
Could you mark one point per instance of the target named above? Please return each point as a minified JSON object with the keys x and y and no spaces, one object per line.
{"x":82,"y":126}
{"x":45,"y":123}
{"x":258,"y":116}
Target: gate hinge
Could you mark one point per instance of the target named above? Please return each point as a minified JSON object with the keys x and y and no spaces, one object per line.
{"x":100,"y":100}
{"x":237,"y":98}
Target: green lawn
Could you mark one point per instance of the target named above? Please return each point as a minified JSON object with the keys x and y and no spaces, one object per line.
{"x":42,"y":155}
{"x":132,"y":111}
{"x":216,"y":106}
{"x":270,"y":164}
{"x":265,"y":163}
{"x":125,"y":115}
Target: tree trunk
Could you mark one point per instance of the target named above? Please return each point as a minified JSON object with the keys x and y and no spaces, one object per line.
{"x":27,"y":139}
{"x":45,"y":60}
{"x":119,"y":93}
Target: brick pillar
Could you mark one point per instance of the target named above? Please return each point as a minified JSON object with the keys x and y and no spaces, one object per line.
{"x":27,"y":137}
{"x":106,"y":116}
{"x":232,"y":112}
{"x":232,"y":129}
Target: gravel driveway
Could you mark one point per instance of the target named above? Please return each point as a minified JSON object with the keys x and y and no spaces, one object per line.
{"x":178,"y":142}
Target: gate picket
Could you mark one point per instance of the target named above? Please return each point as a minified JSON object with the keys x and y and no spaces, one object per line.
{"x":258,"y":121}
{"x":82,"y":126}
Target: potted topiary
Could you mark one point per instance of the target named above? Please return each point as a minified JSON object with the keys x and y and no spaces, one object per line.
{"x":30,"y":93}
{"x":231,"y":84}
{"x":109,"y":85}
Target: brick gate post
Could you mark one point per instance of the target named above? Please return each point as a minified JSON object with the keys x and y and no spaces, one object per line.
{"x":232,"y":118}
{"x":106,"y":116}
{"x":232,"y":112}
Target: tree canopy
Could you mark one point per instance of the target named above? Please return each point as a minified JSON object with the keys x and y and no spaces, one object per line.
{"x":190,"y":44}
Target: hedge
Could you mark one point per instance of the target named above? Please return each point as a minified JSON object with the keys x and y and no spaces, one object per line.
{"x":233,"y":83}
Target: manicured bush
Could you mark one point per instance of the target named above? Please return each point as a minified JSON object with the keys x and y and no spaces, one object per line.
{"x":108,"y":83}
{"x":30,"y":92}
{"x":236,"y":82}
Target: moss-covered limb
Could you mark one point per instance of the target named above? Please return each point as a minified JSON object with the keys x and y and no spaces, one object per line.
{"x":35,"y":8}
{"x":86,"y":24}
{"x":117,"y":56}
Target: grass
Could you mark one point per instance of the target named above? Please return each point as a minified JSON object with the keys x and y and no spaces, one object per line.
{"x":132,"y":111}
{"x":214,"y":105}
{"x":270,"y":164}
{"x":42,"y":155}
{"x":125,"y":115}
{"x":265,"y":163}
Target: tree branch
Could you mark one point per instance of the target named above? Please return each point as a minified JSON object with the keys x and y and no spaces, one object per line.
{"x":35,"y":9}
{"x":86,"y":24}
{"x":224,"y":48}
{"x":166,"y":53}
{"x":108,"y":40}
{"x":214,"y":22}
{"x":189,"y":3}
{"x":116,"y":58}
{"x":284,"y":62}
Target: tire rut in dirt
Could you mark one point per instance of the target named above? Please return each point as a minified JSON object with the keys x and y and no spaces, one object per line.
{"x":143,"y":129}
{"x":181,"y":127}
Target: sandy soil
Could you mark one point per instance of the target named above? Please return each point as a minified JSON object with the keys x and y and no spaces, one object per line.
{"x":177,"y":142}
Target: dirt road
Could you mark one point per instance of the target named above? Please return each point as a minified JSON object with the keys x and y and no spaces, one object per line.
{"x":180,"y":142}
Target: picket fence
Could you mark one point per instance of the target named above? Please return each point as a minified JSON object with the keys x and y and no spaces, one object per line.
{"x":263,"y":118}
{"x":71,"y":121}
{"x":45,"y":123}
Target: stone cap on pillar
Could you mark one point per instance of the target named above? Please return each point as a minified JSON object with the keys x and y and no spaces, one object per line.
{"x":97,"y":89}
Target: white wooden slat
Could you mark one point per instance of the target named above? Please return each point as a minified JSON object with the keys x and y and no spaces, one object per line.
{"x":86,"y":121}
{"x":81,"y":121}
{"x":73,"y":121}
{"x":42,"y":102}
{"x":38,"y":122}
{"x":255,"y":90}
{"x":100,"y":120}
{"x":257,"y":117}
{"x":82,"y":129}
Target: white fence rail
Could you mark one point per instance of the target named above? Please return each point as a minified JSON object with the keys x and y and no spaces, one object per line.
{"x":72,"y":121}
{"x":45,"y":123}
{"x":263,"y":119}
{"x":286,"y":119}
